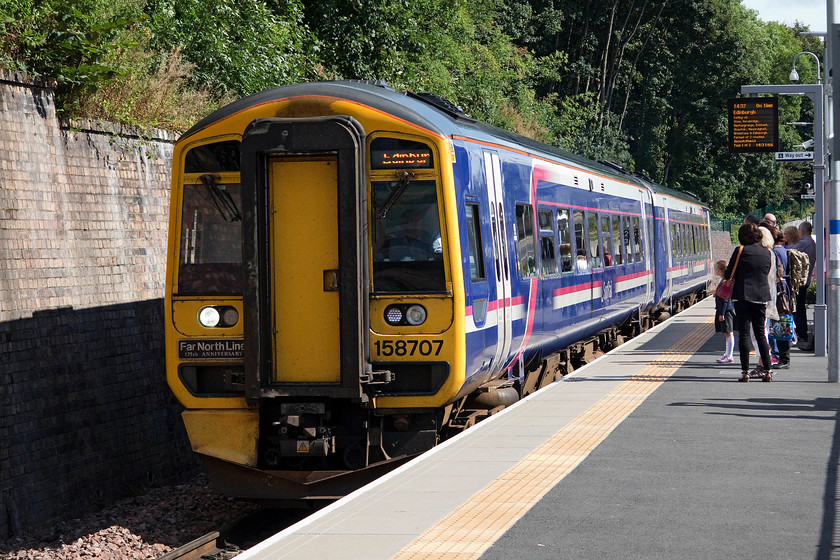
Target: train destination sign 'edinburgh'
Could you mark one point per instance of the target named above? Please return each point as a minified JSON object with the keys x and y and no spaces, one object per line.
{"x":754,"y":124}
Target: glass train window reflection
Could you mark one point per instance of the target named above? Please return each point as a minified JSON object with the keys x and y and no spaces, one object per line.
{"x":211,"y":240}
{"x":407,"y":246}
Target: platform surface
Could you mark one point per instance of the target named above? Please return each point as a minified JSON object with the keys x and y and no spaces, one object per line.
{"x":652,"y":451}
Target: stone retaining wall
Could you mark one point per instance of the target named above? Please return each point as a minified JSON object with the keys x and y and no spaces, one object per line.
{"x":86,"y":416}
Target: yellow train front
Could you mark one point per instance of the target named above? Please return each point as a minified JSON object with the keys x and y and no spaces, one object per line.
{"x":313,"y":339}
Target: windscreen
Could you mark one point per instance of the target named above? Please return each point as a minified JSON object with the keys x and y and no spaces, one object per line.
{"x":407,"y":250}
{"x":211,"y":239}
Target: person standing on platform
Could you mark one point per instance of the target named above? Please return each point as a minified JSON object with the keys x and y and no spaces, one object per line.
{"x":791,"y":236}
{"x":751,"y":292}
{"x":725,"y":318}
{"x":807,"y":245}
{"x":782,"y":346}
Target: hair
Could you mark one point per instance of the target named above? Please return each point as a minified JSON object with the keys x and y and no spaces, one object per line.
{"x":778,"y":236}
{"x":721,"y":266}
{"x":793,"y":233}
{"x":749,"y":234}
{"x":766,"y":239}
{"x":806,"y":226}
{"x":750,"y":219}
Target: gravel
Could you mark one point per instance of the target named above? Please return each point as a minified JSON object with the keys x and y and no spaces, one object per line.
{"x":142,"y":527}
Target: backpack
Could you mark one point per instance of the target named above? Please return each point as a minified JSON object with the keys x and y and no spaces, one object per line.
{"x":798,"y":264}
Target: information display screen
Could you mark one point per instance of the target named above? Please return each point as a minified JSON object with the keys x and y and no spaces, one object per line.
{"x":754,"y":124}
{"x":392,"y":153}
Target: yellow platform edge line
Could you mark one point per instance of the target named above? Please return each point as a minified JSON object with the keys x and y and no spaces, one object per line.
{"x":466,"y":532}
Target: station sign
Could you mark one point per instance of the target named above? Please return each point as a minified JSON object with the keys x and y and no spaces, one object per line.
{"x":754,"y":124}
{"x":794,"y":156}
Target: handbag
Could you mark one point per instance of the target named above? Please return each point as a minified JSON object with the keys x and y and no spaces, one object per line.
{"x":725,"y":288}
{"x":783,"y":303}
{"x":783,"y":329}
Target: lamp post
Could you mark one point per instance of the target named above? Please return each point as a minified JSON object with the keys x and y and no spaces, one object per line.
{"x":820,"y":308}
{"x":794,"y":75}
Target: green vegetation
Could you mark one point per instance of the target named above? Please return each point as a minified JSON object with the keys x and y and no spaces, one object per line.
{"x":643,"y":84}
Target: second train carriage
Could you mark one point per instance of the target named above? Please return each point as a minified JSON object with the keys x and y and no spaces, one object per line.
{"x":352,"y":268}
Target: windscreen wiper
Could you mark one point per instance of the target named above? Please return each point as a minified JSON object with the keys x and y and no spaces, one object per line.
{"x":221,"y":199}
{"x":395,"y":193}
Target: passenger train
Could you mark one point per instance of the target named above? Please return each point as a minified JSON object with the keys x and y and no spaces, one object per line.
{"x":357,"y":272}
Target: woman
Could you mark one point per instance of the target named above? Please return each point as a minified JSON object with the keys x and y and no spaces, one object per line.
{"x":791,"y":236}
{"x":751,"y":292}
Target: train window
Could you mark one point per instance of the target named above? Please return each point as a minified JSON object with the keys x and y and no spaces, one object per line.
{"x":686,"y":239}
{"x":474,"y":241}
{"x":546,"y":224}
{"x":698,"y":237}
{"x":628,"y":238}
{"x":213,"y":158}
{"x":525,"y":245}
{"x":496,"y":250}
{"x":607,"y":241}
{"x":594,"y":245}
{"x":581,"y":242}
{"x":675,"y":241}
{"x":211,"y":239}
{"x":407,"y":249}
{"x":564,"y":233}
{"x":396,"y":153}
{"x":637,"y":240}
{"x":619,"y":246}
{"x":548,"y":259}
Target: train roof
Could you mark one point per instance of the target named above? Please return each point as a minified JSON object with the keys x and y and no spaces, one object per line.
{"x":432,"y":113}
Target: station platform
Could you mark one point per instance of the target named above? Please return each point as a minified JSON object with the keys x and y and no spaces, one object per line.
{"x":653,"y":451}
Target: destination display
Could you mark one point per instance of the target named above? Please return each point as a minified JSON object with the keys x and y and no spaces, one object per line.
{"x":417,"y":158}
{"x":754,"y":124}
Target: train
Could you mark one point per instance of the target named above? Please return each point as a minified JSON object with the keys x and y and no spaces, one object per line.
{"x":356,"y":272}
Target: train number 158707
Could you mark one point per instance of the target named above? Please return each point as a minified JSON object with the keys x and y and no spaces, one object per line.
{"x":408,"y":347}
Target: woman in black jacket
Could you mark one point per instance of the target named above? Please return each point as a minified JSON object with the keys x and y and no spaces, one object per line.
{"x":750,"y":294}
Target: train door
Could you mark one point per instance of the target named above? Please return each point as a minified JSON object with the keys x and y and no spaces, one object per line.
{"x":637,"y":238}
{"x":583,"y":266}
{"x":504,"y":319}
{"x":305,"y":253}
{"x":306,"y":272}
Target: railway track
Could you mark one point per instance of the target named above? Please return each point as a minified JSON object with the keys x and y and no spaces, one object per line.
{"x":238,"y":535}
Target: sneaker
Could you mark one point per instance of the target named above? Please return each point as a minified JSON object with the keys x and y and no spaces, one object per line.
{"x":774,"y":360}
{"x":783,"y":365}
{"x":724,"y":360}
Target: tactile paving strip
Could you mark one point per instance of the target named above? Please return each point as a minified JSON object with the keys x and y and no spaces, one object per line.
{"x":471,"y":528}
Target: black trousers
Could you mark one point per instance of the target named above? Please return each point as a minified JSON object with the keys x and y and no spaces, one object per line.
{"x":800,"y":319}
{"x":749,"y":314}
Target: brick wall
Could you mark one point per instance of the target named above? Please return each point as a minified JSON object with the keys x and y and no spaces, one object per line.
{"x":85,"y":416}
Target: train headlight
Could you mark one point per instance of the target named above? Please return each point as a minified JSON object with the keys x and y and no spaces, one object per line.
{"x":209,"y":317}
{"x":405,"y":315}
{"x":415,"y":315}
{"x":230,"y":317}
{"x":218,"y":316}
{"x":394,"y":315}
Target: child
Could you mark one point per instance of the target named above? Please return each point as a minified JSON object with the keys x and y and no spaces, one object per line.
{"x":724,"y":318}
